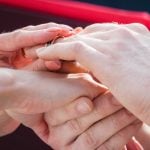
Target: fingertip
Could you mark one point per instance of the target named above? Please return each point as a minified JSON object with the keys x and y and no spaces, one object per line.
{"x":84,"y":105}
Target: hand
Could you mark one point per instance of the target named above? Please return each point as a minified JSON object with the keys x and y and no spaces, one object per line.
{"x":10,"y":50}
{"x":79,"y":89}
{"x":118,"y":56}
{"x":108,"y":126}
{"x":11,"y":44}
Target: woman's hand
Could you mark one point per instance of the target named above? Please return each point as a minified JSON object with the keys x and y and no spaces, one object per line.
{"x":118,"y":56}
{"x":30,"y":94}
{"x":108,"y":126}
{"x":13,"y":43}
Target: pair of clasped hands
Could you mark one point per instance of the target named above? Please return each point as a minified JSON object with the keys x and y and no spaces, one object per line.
{"x":86,"y":90}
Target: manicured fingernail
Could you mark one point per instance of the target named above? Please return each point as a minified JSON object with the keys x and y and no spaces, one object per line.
{"x":84,"y":107}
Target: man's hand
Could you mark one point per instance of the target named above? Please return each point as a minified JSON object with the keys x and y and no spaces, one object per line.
{"x":117,"y":55}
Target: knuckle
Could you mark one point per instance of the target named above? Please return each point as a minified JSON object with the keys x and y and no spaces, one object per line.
{"x":78,"y":46}
{"x":125,"y":32}
{"x":89,"y":139}
{"x":140,"y":27}
{"x":115,"y":122}
{"x":105,"y":104}
{"x":75,"y":125}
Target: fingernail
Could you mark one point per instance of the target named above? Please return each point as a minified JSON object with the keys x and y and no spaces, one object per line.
{"x":53,"y":65}
{"x":84,"y":107}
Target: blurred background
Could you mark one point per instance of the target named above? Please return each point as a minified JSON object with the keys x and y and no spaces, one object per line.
{"x":15,"y":16}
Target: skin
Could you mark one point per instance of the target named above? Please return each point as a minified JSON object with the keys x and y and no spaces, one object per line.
{"x":118,"y":56}
{"x":89,"y":132}
{"x":38,"y":124}
{"x":55,"y":119}
{"x":17,"y":81}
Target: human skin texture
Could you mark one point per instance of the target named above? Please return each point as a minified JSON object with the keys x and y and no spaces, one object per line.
{"x":39,"y":126}
{"x":117,"y":55}
{"x":29,"y":104}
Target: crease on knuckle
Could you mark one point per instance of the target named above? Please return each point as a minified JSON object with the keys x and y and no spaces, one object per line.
{"x":115,"y":122}
{"x":89,"y":139}
{"x":75,"y":125}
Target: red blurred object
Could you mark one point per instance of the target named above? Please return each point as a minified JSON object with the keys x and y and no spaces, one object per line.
{"x":81,"y":11}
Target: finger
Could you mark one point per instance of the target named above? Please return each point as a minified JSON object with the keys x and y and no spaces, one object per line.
{"x":78,"y":51}
{"x":22,"y":38}
{"x":133,"y":144}
{"x":30,"y":52}
{"x":46,"y":26}
{"x":95,"y":40}
{"x":71,"y":67}
{"x":104,"y":105}
{"x":102,"y":27}
{"x":63,"y":67}
{"x":37,"y":65}
{"x":77,"y":108}
{"x":100,"y":132}
{"x":117,"y":141}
